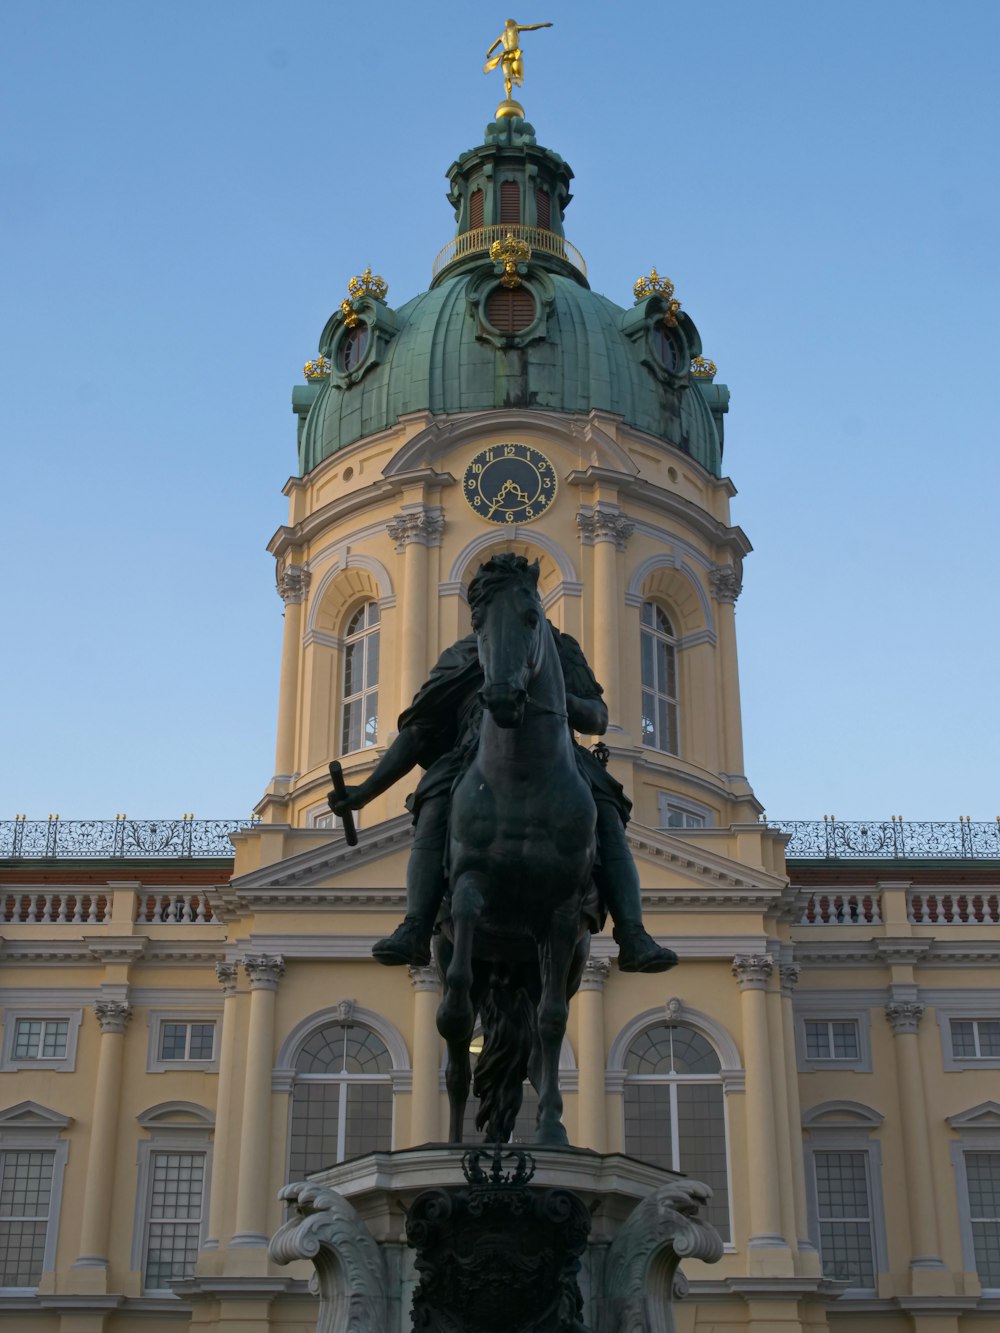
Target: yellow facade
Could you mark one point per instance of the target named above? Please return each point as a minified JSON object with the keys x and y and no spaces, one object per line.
{"x":156,"y":1056}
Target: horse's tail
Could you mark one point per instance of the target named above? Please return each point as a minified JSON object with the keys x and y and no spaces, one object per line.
{"x":508,"y":1017}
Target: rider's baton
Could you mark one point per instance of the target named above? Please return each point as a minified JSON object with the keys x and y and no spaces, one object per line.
{"x":340,"y":791}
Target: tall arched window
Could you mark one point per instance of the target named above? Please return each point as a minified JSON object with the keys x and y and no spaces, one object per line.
{"x":659,"y":680}
{"x":675,"y":1112}
{"x":360,"y":683}
{"x":341,"y":1098}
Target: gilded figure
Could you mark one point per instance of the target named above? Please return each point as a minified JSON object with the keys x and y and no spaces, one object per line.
{"x":510,"y":58}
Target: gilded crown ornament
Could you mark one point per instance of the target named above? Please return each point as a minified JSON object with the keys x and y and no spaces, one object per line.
{"x":364,"y":284}
{"x":652,"y":284}
{"x":510,"y":252}
{"x":317,"y":369}
{"x":702,"y":368}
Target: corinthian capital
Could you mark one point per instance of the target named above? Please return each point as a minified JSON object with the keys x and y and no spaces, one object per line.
{"x":293,"y":583}
{"x":227,"y":974}
{"x":903,"y":1016}
{"x":264,"y":970}
{"x":595,"y":973}
{"x":112,"y":1015}
{"x":726,"y":582}
{"x":789,"y":974}
{"x":752,"y":970}
{"x":601,"y":526}
{"x":416,"y":525}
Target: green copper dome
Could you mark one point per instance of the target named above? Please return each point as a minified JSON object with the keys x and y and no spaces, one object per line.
{"x":527,"y":332}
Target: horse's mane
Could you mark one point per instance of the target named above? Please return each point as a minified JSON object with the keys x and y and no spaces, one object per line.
{"x":498,"y":572}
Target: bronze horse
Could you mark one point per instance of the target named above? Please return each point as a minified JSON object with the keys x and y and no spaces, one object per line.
{"x":520,"y":858}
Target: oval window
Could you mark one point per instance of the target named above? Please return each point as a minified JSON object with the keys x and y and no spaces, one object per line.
{"x":510,"y":309}
{"x":353,"y":347}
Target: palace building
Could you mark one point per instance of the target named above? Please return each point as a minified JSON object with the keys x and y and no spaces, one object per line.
{"x":191,"y":1013}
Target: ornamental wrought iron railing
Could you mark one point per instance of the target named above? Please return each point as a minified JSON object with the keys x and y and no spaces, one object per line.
{"x":890,"y":839}
{"x":117,"y":839}
{"x":479,"y":240}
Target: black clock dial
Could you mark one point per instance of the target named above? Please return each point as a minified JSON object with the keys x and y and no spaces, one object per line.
{"x":509,"y":483}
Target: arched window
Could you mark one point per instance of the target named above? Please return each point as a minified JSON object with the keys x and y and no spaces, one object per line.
{"x":341,"y":1098}
{"x":659,"y":680}
{"x":360,"y":683}
{"x":353,"y":347}
{"x":674,"y":1109}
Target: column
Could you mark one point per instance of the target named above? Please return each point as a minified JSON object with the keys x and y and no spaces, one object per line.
{"x":414,"y":531}
{"x":903,"y":1017}
{"x":226,"y":1105}
{"x":254,"y":1188}
{"x":752,"y":972}
{"x":425,"y":1098}
{"x":592,"y":1098}
{"x":787,"y":1146}
{"x":810,"y":1258}
{"x":113,"y":1017}
{"x":607,"y":532}
{"x":727,"y":582}
{"x":293,"y":584}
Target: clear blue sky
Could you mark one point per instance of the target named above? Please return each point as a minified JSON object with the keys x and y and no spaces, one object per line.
{"x":186,"y":189}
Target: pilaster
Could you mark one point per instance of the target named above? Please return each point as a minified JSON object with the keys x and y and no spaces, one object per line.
{"x":607,"y":531}
{"x":425,"y":1099}
{"x":592,"y":1115}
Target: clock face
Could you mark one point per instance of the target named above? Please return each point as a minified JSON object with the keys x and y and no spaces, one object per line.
{"x":509,"y":483}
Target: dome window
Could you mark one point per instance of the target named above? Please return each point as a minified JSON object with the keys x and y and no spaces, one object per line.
{"x":543,"y":208}
{"x":663,"y":345}
{"x":475,"y":210}
{"x":352,"y":348}
{"x":510,"y":201}
{"x":510,"y":309}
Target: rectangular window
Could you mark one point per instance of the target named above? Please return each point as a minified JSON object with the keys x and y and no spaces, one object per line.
{"x":843,"y":1202}
{"x":510,"y":201}
{"x":25,"y":1194}
{"x":174,"y":1218}
{"x":187,"y":1041}
{"x":40,"y":1038}
{"x":982,"y":1171}
{"x":833,"y":1040}
{"x":975,"y":1038}
{"x":675,"y":816}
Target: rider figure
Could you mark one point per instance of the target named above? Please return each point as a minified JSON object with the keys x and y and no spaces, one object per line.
{"x":440,"y":731}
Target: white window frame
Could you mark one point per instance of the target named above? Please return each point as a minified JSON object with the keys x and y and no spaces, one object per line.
{"x":360,"y":696}
{"x":672,"y":703}
{"x":830,"y":1007}
{"x":29,"y":1127}
{"x":979,"y":1005}
{"x":156,"y":1019}
{"x":667,"y":801}
{"x":833,"y":1058}
{"x":173,"y":1127}
{"x":64,"y":1064}
{"x":322,"y":817}
{"x":844,"y":1126}
{"x":978,"y":1130}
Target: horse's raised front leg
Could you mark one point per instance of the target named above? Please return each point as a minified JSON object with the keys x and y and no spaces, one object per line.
{"x":555,"y":958}
{"x":456,"y":1015}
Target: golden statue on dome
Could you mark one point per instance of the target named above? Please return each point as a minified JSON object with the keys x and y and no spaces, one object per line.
{"x":511,"y":62}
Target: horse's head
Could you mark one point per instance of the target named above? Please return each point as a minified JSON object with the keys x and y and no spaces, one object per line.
{"x":510,"y":625}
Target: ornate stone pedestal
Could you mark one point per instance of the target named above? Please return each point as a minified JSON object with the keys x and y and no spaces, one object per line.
{"x":545,"y":1241}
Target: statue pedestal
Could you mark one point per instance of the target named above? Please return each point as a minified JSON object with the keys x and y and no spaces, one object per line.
{"x":352,"y":1222}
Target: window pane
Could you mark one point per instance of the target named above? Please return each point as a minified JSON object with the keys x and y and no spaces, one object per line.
{"x":173,"y":1039}
{"x":352,"y":726}
{"x":175,"y":1208}
{"x":202,"y":1041}
{"x":323,"y":1052}
{"x":670,"y":684}
{"x":356,"y":622}
{"x":315,"y":1121}
{"x":647,"y":1123}
{"x":369,"y":1119}
{"x":701,"y":1127}
{"x":817,"y":1041}
{"x":989,"y":1038}
{"x":371,"y":614}
{"x":647,"y":660}
{"x":27,"y":1036}
{"x":693,"y":1054}
{"x":671,"y":739}
{"x":649,"y":1053}
{"x":648,"y":718}
{"x":963,"y":1037}
{"x":982,"y":1171}
{"x":661,"y":667}
{"x":352,"y":679}
{"x":844,"y":1213}
{"x":845,"y":1040}
{"x":366,"y":1053}
{"x":22,"y":1253}
{"x":54,"y":1038}
{"x":371,"y":718}
{"x":371,"y":665}
{"x":26,"y":1184}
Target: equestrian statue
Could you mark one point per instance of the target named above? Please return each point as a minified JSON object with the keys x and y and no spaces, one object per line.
{"x":519,"y":847}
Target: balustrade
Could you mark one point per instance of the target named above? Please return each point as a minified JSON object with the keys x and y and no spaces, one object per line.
{"x":55,"y":908}
{"x":842,"y":909}
{"x":174,"y":908}
{"x":954,"y":909}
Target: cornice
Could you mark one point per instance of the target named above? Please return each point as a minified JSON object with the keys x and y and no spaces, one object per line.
{"x":303,"y":870}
